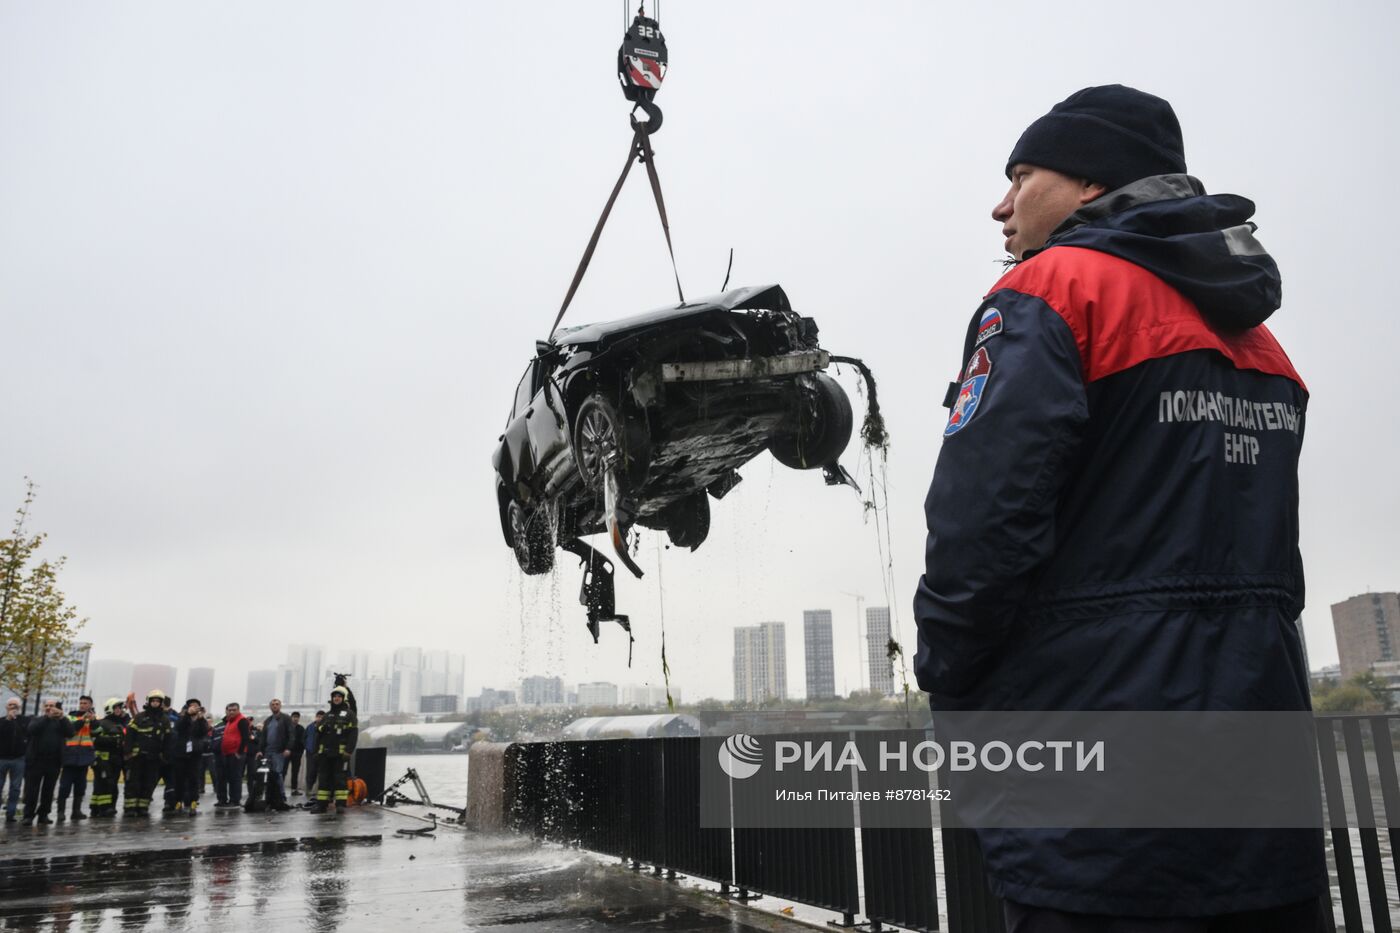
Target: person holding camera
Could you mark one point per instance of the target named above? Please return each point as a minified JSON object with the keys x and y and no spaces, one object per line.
{"x":191,"y":739}
{"x":77,"y":759}
{"x":48,"y":736}
{"x":335,"y":743}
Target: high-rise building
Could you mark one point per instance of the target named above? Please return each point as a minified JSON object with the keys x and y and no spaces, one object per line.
{"x":1368,"y":631}
{"x":110,"y":680}
{"x":199,"y":685}
{"x":542,"y":691}
{"x":148,"y":677}
{"x":355,"y":663}
{"x":372,"y":695}
{"x":648,"y":696}
{"x":262,"y":686}
{"x":415,"y":673}
{"x":600,"y":693}
{"x":67,"y":679}
{"x":290,"y":686}
{"x":489,"y":700}
{"x":877,"y":640}
{"x":444,"y":672}
{"x":821,"y":664}
{"x":438,"y":703}
{"x":760,"y":662}
{"x":300,"y":678}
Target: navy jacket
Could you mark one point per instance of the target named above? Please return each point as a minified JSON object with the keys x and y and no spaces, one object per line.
{"x":1113,"y":525}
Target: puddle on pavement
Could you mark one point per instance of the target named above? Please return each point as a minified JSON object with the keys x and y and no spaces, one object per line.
{"x":451,"y":882}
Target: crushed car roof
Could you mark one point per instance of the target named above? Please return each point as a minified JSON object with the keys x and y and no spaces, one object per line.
{"x":750,"y":298}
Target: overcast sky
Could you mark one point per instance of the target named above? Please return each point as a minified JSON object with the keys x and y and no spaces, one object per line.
{"x":269,"y":274}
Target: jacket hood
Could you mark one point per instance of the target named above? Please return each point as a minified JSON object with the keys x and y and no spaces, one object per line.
{"x":1202,"y":245}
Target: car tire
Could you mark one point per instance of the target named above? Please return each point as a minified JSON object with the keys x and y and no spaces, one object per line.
{"x":530,"y":539}
{"x":688,"y":521}
{"x":598,"y":430}
{"x":822,"y":426}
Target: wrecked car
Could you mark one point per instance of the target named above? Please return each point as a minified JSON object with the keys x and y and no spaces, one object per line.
{"x":644,"y":420}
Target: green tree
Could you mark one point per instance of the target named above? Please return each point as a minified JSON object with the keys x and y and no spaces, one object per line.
{"x":37,"y":624}
{"x":15,"y":553}
{"x":1361,"y":693}
{"x":1376,"y":687}
{"x":1346,"y":698}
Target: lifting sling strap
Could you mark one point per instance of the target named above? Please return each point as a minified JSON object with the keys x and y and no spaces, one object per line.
{"x":640,"y":148}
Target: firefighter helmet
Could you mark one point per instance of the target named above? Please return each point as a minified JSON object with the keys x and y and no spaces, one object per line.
{"x":340,"y":690}
{"x":112,"y":703}
{"x":155,"y":695}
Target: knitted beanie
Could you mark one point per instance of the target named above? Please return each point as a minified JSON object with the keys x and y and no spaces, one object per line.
{"x":1112,"y":135}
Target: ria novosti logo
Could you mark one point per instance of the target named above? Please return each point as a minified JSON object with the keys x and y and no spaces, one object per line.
{"x":740,"y":756}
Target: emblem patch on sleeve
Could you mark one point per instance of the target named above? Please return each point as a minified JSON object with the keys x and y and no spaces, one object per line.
{"x":989,"y":326}
{"x":979,"y":367}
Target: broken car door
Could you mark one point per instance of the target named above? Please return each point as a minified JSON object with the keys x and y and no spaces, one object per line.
{"x":548,"y":426}
{"x":519,"y":465}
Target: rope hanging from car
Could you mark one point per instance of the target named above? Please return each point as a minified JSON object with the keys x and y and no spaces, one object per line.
{"x":641,"y":65}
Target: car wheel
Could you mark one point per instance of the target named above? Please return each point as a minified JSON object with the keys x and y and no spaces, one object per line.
{"x":822,"y":426}
{"x":530,"y":538}
{"x":602,"y":435}
{"x":688,"y":521}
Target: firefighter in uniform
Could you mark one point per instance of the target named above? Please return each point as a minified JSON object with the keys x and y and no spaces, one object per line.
{"x":108,"y":736}
{"x":335,"y":743}
{"x":144,"y":750}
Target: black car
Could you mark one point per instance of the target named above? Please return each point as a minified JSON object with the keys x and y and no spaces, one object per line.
{"x":645,"y":419}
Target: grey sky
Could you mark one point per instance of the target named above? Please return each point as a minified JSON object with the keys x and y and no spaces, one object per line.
{"x":269,"y":274}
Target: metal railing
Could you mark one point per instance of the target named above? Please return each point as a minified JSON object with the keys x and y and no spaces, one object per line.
{"x":639,"y":800}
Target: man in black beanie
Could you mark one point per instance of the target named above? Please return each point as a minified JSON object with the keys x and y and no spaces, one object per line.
{"x":1113,"y":520}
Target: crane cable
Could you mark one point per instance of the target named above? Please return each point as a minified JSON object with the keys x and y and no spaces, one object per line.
{"x":642,"y":61}
{"x":639,"y":150}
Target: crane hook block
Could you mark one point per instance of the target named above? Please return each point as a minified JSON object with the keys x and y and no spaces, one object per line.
{"x":641,"y":63}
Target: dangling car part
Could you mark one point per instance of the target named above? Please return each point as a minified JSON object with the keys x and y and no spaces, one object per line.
{"x":642,"y":421}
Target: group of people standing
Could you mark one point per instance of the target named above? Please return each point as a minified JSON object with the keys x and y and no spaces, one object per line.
{"x":157,"y":744}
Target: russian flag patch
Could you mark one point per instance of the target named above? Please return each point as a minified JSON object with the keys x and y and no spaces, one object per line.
{"x":989,"y":326}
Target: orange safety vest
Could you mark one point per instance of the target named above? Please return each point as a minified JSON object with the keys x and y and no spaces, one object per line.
{"x":82,"y":738}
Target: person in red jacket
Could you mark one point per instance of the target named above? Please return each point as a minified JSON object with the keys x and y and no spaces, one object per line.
{"x":230,"y":753}
{"x":1113,"y":520}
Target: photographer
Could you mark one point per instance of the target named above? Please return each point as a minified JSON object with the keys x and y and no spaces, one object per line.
{"x":335,"y":744}
{"x":48,"y":736}
{"x":78,"y":757}
{"x":191,"y":739}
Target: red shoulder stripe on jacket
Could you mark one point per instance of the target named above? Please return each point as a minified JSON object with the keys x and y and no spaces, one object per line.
{"x":1122,"y":315}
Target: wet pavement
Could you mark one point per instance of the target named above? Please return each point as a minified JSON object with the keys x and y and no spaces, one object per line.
{"x":236,"y":871}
